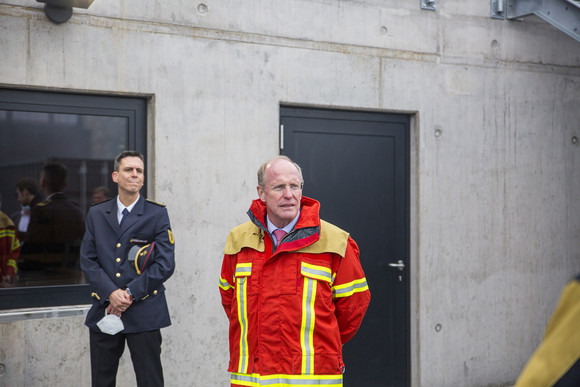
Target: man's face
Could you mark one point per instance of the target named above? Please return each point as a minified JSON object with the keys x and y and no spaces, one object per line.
{"x":282,"y":192}
{"x":24,"y":197}
{"x":130,"y":176}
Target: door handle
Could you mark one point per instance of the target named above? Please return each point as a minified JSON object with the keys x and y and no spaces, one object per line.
{"x":400,"y":265}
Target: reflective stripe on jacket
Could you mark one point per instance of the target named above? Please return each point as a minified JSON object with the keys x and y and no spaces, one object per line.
{"x":291,"y":308}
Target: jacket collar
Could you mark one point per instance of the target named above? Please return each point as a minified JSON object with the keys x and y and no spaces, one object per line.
{"x":136,"y":212}
{"x":306,"y":231}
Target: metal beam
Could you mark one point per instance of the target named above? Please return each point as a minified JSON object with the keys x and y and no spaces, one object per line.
{"x":562,"y":14}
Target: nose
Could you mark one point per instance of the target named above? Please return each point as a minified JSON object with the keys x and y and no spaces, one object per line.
{"x":287,"y":191}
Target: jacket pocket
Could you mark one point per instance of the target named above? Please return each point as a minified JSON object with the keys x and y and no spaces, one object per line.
{"x":317,"y":272}
{"x":319,"y":277}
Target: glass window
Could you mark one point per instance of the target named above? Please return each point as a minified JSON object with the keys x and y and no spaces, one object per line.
{"x":56,"y":159}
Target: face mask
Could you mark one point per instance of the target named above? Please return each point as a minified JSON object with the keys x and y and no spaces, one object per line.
{"x":111,"y":324}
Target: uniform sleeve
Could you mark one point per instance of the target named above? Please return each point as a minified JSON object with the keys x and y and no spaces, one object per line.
{"x":96,"y":276}
{"x":351,"y":293}
{"x":226,"y":283}
{"x":163,"y":266}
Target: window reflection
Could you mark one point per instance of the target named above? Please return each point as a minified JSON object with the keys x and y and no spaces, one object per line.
{"x":50,"y":165}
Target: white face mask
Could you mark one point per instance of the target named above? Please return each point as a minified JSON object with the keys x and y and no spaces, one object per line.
{"x":111,"y":324}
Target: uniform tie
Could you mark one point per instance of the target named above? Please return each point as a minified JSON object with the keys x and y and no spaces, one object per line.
{"x":279,"y":234}
{"x":125,"y":213}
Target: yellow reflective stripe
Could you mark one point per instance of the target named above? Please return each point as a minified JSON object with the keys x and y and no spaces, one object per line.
{"x":10,"y":233}
{"x":12,"y":262}
{"x":307,"y":328}
{"x":225,"y":285}
{"x":241,"y":297}
{"x":6,"y":231}
{"x":348,"y":289}
{"x":243,"y":269}
{"x":321,"y":273}
{"x":279,"y":380}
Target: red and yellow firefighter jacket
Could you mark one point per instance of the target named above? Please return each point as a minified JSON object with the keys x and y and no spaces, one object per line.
{"x":9,"y":247}
{"x":291,"y":308}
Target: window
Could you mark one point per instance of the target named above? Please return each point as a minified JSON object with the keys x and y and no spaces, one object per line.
{"x":43,"y":134}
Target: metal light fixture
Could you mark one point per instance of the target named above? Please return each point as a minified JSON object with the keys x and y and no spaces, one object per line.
{"x":60,"y":11}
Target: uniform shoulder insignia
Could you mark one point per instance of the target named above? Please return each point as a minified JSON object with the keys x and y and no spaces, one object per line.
{"x":154,"y":202}
{"x":44,"y":203}
{"x":104,"y":201}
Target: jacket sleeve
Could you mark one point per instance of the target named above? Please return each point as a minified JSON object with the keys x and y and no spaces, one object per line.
{"x":101,"y":283}
{"x":556,"y":361}
{"x":163,"y":266}
{"x":351,"y":293}
{"x":226,"y":283}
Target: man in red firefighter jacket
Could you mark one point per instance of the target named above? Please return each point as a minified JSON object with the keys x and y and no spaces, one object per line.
{"x":292,"y":287}
{"x":9,"y":251}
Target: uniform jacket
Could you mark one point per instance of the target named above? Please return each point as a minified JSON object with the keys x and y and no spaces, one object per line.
{"x":9,"y":247}
{"x":556,"y":362}
{"x":292,"y":308}
{"x":105,"y":262}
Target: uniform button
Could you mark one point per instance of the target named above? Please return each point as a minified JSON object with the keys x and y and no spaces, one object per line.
{"x":118,"y":259}
{"x":118,"y":275}
{"x":154,"y":292}
{"x":118,"y":245}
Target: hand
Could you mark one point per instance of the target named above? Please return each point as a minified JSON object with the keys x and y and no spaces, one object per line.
{"x":119,"y":301}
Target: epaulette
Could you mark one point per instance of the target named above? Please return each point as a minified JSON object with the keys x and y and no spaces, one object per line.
{"x":44,"y":203}
{"x":159,"y":204}
{"x":104,"y":201}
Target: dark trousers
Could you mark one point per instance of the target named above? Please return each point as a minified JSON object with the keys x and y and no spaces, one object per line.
{"x":145,"y":348}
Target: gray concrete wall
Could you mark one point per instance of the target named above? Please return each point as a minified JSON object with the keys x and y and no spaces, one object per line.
{"x":496,"y":223}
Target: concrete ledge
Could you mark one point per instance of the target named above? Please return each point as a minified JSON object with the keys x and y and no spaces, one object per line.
{"x":11,"y":315}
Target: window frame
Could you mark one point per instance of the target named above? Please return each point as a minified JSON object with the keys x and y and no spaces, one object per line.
{"x":133,"y":108}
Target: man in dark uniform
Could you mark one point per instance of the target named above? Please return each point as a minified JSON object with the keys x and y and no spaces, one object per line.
{"x":51,"y":248}
{"x":122,"y":287}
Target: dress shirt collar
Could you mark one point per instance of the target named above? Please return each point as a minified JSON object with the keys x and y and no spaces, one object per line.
{"x":289,"y":227}
{"x":121,"y":207}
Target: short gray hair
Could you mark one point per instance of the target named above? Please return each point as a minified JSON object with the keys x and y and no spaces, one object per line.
{"x":262,"y":170}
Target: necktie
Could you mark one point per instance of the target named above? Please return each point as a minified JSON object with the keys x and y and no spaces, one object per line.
{"x":125,"y":213}
{"x":279,"y":234}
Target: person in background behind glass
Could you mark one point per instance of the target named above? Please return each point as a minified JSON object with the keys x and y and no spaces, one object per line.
{"x":28,"y":195}
{"x":101,"y":194}
{"x":9,"y":251}
{"x":55,"y":232}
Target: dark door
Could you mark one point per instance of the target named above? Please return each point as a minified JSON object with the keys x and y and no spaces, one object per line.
{"x":357,"y":165}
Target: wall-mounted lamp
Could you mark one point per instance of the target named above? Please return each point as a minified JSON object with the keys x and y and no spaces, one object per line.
{"x":60,"y":11}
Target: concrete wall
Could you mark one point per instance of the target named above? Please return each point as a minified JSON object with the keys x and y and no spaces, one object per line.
{"x":496,"y":223}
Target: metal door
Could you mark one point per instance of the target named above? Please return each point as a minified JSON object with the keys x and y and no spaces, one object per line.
{"x":357,"y":165}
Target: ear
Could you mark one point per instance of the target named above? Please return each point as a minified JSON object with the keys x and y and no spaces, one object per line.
{"x":261,"y":193}
{"x":115,"y":176}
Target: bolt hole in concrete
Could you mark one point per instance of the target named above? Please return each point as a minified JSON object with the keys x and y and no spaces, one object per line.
{"x":438,"y":328}
{"x":575,"y":140}
{"x":384,"y":31}
{"x":2,"y":369}
{"x":438,"y":133}
{"x":202,"y":8}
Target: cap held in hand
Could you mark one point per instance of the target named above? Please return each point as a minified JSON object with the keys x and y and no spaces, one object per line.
{"x":142,"y":257}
